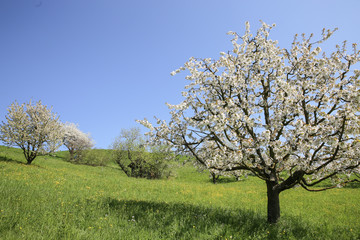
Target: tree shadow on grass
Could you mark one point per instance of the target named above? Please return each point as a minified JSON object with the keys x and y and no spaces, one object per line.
{"x":186,"y":221}
{"x":6,"y":159}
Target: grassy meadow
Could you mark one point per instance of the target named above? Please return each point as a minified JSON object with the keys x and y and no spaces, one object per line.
{"x":54,"y":199}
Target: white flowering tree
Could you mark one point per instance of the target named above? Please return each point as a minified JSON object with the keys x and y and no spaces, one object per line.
{"x":290,"y":117}
{"x":75,"y":140}
{"x":32,"y":128}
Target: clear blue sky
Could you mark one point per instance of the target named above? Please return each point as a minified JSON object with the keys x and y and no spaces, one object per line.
{"x":105,"y":63}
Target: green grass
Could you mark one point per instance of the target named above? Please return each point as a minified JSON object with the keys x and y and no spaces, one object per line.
{"x":54,"y":199}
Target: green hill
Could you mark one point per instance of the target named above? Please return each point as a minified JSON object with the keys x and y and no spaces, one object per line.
{"x":54,"y":199}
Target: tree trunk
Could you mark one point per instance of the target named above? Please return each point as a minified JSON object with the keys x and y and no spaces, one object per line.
{"x":273,"y":205}
{"x":214,"y":177}
{"x":72,"y":153}
{"x":28,"y":156}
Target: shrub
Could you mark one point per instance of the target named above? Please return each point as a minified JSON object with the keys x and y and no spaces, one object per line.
{"x":138,"y":160}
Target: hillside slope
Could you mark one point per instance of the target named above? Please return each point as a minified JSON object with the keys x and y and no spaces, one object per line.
{"x":54,"y":199}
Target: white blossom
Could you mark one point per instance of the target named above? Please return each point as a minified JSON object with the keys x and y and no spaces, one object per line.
{"x":75,"y":140}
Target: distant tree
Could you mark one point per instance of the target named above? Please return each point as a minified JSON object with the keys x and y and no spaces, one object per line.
{"x":136,"y":159}
{"x":32,"y":128}
{"x":54,"y":142}
{"x":215,"y":173}
{"x":214,"y":176}
{"x":288,"y":116}
{"x":76,"y":141}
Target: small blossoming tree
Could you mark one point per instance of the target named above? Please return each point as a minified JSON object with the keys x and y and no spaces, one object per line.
{"x":33,"y":128}
{"x":290,"y":117}
{"x":75,"y":140}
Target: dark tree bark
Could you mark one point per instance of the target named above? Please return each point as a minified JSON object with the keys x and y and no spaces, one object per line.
{"x":29,"y":161}
{"x":29,"y":155}
{"x":273,"y":204}
{"x":214,"y":177}
{"x":71,"y":155}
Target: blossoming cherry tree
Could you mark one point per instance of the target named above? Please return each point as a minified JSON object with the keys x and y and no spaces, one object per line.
{"x":288,"y":116}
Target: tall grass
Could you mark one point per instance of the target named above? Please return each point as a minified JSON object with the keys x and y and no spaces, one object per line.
{"x":54,"y":199}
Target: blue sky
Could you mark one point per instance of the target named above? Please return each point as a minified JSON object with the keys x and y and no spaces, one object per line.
{"x":105,"y":63}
